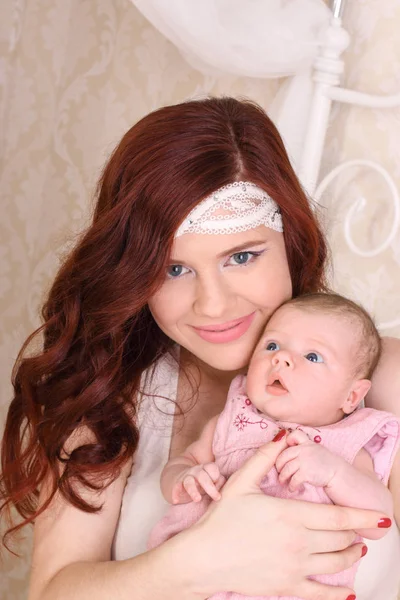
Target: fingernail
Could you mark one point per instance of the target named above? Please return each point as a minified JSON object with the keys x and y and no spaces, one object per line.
{"x":364,"y":551}
{"x":351,"y":597}
{"x":280,"y":435}
{"x":385,"y":522}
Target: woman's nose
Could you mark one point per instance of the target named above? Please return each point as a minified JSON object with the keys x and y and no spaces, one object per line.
{"x":282,"y":358}
{"x":213,"y":299}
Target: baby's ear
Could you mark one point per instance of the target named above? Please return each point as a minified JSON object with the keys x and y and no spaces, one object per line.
{"x":358,"y":391}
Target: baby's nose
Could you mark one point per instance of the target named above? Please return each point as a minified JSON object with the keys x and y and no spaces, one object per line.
{"x":282,"y":358}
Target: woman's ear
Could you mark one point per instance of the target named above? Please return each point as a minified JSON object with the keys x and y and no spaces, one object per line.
{"x":358,"y":391}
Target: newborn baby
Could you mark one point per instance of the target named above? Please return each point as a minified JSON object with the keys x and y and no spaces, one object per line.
{"x":307,"y":378}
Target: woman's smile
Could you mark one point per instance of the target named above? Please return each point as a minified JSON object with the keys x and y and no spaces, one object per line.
{"x":225,"y":332}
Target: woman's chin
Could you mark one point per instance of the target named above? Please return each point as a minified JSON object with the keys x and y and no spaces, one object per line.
{"x":227,"y":359}
{"x":233,"y":355}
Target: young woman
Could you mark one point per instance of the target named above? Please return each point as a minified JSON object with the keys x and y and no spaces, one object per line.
{"x":148,"y":321}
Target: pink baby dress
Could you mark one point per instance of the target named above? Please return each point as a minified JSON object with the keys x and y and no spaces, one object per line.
{"x":241,"y":429}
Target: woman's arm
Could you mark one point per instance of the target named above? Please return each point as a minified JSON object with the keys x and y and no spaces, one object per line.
{"x":225,"y":550}
{"x":385,"y":395}
{"x":72,"y":553}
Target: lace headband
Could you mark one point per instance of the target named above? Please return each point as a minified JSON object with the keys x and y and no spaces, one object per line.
{"x":235,"y":207}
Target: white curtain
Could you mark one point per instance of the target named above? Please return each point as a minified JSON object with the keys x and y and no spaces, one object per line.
{"x":251,"y":38}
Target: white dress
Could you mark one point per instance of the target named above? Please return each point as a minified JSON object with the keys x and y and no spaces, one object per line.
{"x":378,"y":576}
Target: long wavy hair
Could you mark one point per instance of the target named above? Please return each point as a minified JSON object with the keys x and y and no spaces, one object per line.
{"x":99,"y":335}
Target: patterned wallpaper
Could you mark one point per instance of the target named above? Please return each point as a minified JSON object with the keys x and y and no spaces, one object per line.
{"x":76,"y":74}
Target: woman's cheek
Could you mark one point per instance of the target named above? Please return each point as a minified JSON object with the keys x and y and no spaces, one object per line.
{"x":169,"y":306}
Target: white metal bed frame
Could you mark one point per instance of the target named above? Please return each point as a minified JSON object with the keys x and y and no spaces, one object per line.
{"x":328,"y":68}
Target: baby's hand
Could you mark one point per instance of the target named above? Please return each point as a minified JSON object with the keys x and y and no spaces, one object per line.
{"x":306,"y":462}
{"x":197,"y":481}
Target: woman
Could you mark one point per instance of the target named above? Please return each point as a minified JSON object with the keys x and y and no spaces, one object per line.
{"x":138,"y":349}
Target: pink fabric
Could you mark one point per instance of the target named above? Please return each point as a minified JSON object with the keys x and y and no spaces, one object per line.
{"x":241,"y":429}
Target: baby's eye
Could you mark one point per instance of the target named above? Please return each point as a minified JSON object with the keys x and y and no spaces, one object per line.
{"x":272,"y":346}
{"x":314,"y":357}
{"x":175,"y":271}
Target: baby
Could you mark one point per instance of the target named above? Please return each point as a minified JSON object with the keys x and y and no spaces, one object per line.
{"x":308,"y":374}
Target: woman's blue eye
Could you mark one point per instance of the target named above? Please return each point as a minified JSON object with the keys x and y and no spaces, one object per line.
{"x":241,"y":258}
{"x":272,"y":346}
{"x":175,"y":271}
{"x":245,"y":257}
{"x":314,"y":357}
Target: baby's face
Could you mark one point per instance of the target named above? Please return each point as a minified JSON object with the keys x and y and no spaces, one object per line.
{"x":303,"y":367}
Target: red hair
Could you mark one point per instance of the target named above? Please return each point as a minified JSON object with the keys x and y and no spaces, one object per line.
{"x":99,"y":335}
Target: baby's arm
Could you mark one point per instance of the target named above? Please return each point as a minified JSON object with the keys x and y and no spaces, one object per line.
{"x":187,"y":475}
{"x":353,"y":485}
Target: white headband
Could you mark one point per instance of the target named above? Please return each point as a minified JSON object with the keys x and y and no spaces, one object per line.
{"x":235,"y":207}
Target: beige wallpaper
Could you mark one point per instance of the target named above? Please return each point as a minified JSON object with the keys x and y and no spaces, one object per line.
{"x":75,"y":74}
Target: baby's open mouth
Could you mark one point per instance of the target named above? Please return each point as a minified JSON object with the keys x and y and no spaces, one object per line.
{"x":275,"y":383}
{"x":278,"y":384}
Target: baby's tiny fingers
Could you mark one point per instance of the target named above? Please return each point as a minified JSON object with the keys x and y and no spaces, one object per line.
{"x":297,"y":437}
{"x":289,"y":470}
{"x":190,"y":485}
{"x":220,"y":482}
{"x":179,"y":494}
{"x":213,"y":470}
{"x":287,"y":455}
{"x":208,"y":485}
{"x":296,"y":481}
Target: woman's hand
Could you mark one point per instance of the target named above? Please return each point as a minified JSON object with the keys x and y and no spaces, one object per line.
{"x":255,"y":544}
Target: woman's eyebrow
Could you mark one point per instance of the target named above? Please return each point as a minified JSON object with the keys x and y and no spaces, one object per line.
{"x":248,"y":244}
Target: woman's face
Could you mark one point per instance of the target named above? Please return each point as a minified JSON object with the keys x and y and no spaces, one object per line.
{"x":219,"y":292}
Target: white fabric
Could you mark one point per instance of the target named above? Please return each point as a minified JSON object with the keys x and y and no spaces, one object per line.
{"x":234,"y":207}
{"x":256,"y":38}
{"x":143,"y":504}
{"x":378,"y":576}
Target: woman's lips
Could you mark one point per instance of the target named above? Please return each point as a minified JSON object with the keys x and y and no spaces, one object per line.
{"x":225,"y":332}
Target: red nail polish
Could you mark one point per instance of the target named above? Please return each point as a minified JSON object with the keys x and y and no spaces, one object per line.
{"x":351,"y":597}
{"x":280,"y":435}
{"x":364,"y":551}
{"x":385,"y":522}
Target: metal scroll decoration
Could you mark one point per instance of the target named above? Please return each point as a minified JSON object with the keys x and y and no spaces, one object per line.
{"x":328,"y":68}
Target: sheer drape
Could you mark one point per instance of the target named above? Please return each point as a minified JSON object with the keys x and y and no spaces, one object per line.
{"x":255,"y":38}
{"x":252,"y":38}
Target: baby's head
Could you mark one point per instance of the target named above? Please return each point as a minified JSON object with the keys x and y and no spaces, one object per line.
{"x":314,"y":361}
